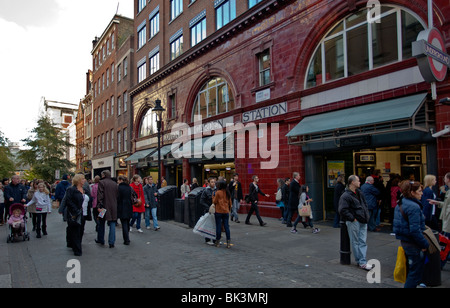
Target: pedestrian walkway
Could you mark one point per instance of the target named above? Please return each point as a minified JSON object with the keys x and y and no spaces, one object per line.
{"x":175,"y":257}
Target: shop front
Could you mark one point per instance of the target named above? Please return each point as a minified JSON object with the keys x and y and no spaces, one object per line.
{"x":367,"y":141}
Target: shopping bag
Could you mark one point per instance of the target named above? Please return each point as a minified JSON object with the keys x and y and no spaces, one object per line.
{"x":305,"y":210}
{"x":206,"y":226}
{"x":400,"y":270}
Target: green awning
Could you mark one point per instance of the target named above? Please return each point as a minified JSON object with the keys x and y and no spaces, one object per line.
{"x":164,"y":151}
{"x":394,"y":114}
{"x":140,"y":155}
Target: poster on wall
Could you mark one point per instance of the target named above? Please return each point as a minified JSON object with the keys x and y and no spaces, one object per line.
{"x":335,"y":168}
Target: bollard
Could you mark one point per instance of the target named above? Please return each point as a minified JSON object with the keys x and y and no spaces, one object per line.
{"x":345,"y":245}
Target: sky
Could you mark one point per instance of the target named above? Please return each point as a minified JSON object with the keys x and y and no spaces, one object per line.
{"x":45,"y":51}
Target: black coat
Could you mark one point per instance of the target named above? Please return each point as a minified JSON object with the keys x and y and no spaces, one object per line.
{"x":236,"y":194}
{"x":338,"y":191}
{"x":253,"y":193}
{"x":294,"y":194}
{"x":124,"y":203}
{"x":353,"y":206}
{"x":73,"y":203}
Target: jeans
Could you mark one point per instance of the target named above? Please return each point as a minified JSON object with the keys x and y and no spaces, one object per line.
{"x":235,"y":208}
{"x":358,"y":234}
{"x":147,"y":216}
{"x":136,"y":218}
{"x":222,"y":218}
{"x":416,"y":262}
{"x":101,"y":232}
{"x":373,"y":219}
{"x":155,"y":217}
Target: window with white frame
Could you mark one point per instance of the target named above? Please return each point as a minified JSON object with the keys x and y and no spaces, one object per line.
{"x":176,"y":47}
{"x":154,"y":24}
{"x":154,"y":63}
{"x":142,"y":35}
{"x":355,"y":45}
{"x":125,"y":140}
{"x":264,"y":68}
{"x":142,"y":70}
{"x":198,"y":32}
{"x":141,"y":5}
{"x":148,"y":124}
{"x":214,"y":98}
{"x":225,"y":12}
{"x":176,"y":8}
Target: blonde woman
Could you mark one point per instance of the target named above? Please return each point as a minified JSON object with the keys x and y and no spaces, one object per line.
{"x":43,"y":205}
{"x":429,"y":209}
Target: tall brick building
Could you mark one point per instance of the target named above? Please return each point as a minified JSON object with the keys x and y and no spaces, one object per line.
{"x":111,"y":55}
{"x":320,"y":88}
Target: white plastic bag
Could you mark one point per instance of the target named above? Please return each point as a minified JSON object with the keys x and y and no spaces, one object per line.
{"x":206,"y":226}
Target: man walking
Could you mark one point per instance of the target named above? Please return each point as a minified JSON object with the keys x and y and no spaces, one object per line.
{"x":354,"y":211}
{"x":150,"y":194}
{"x":107,"y":199}
{"x":235,"y":189}
{"x":253,"y":194}
{"x":15,"y":192}
{"x":294,"y":198}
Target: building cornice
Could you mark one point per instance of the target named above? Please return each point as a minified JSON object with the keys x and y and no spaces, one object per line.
{"x":232,"y":29}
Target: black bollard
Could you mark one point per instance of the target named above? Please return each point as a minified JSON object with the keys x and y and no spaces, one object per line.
{"x":345,"y":245}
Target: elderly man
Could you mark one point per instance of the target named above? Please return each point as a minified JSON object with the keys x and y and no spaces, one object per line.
{"x":353,"y":210}
{"x":371,"y":193}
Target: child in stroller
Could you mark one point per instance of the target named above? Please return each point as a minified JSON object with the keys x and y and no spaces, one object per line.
{"x":17,"y":222}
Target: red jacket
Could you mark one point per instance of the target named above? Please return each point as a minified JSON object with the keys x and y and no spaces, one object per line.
{"x":139,"y":190}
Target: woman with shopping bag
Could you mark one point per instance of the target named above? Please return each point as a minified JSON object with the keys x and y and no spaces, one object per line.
{"x":222,"y":202}
{"x":304,"y":211}
{"x":409,"y":224}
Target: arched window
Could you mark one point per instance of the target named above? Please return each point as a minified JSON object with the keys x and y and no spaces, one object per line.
{"x":148,"y":124}
{"x":355,"y":45}
{"x":214,"y":98}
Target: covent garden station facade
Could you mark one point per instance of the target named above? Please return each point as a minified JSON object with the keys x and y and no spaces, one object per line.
{"x":325,"y":88}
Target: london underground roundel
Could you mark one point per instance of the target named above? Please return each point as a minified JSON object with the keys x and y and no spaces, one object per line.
{"x":431,"y":56}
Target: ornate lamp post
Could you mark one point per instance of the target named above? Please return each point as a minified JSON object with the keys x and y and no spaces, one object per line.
{"x":158,"y":109}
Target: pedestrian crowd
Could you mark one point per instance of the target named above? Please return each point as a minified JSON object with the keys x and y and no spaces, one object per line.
{"x":106,"y":201}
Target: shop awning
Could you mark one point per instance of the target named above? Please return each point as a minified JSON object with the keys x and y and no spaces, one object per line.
{"x":164,"y":151}
{"x":140,"y":155}
{"x":399,"y":114}
{"x":209,"y":146}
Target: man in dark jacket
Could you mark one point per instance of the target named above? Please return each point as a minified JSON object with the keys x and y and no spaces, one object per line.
{"x":150,"y":194}
{"x":371,"y":194}
{"x":354,"y":211}
{"x":254,"y":191}
{"x":61,"y":188}
{"x":235,"y":188}
{"x":107,"y":199}
{"x":294,"y":198}
{"x":15,"y":192}
{"x":124,"y":207}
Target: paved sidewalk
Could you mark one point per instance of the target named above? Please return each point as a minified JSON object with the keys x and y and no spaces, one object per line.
{"x":175,"y":257}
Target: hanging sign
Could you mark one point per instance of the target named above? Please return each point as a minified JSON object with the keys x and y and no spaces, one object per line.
{"x":433,"y":61}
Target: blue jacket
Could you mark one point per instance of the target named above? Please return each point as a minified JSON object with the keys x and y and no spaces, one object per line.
{"x":427,"y":207}
{"x":412,"y":230}
{"x":371,"y":194}
{"x":60,"y":190}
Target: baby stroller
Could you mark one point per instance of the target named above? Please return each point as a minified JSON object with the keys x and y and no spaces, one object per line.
{"x":15,"y":233}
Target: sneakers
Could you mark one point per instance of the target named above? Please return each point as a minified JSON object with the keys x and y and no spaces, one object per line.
{"x":294,"y":231}
{"x":140,"y":231}
{"x":315,"y":230}
{"x":366,"y":266}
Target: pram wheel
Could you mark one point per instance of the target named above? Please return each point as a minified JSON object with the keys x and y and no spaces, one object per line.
{"x":26,"y":236}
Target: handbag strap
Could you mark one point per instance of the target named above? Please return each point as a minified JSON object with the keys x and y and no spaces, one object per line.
{"x":402,"y":212}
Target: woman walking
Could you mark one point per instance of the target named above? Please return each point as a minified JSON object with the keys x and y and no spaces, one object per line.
{"x":409,"y":224}
{"x":429,"y":209}
{"x":306,"y":221}
{"x":42,"y":206}
{"x":124,"y":207}
{"x":77,"y":202}
{"x":222,"y":202}
{"x":139,"y":206}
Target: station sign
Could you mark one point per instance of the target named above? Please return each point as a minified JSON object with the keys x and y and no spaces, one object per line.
{"x":433,"y":61}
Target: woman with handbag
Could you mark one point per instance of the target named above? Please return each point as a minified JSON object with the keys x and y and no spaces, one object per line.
{"x":306,"y":220}
{"x":222,"y":202}
{"x":139,"y":203}
{"x":409,"y":224}
{"x":76,"y":203}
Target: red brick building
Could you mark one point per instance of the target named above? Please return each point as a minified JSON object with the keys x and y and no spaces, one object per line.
{"x":112,"y":55}
{"x":321,"y":88}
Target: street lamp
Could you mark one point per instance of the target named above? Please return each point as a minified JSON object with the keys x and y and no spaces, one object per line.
{"x":158,"y":110}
